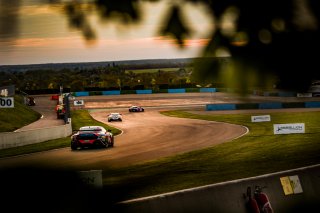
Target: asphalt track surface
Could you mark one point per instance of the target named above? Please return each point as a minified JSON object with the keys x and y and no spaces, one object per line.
{"x":146,"y":135}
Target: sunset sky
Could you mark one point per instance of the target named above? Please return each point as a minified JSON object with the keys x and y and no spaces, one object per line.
{"x":42,"y":35}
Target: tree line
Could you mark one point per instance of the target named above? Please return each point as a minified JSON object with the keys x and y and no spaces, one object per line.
{"x":97,"y":79}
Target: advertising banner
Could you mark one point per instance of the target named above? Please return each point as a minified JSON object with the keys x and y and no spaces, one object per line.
{"x":288,"y":128}
{"x":291,"y":185}
{"x":7,"y":102}
{"x":260,"y":118}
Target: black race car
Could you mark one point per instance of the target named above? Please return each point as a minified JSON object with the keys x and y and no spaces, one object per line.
{"x":136,"y":109}
{"x":92,"y":136}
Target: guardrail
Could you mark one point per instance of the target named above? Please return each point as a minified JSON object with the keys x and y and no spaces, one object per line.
{"x":15,"y":139}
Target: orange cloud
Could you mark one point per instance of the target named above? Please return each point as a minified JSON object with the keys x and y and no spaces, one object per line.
{"x":188,"y":42}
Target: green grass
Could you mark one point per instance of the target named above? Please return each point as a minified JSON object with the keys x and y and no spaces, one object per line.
{"x":79,"y":118}
{"x":259,"y":152}
{"x":83,"y":118}
{"x":17,"y":117}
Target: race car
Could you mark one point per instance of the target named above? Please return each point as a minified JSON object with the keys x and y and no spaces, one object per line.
{"x":30,"y":101}
{"x":92,"y":136}
{"x":136,"y":109}
{"x":114,"y":116}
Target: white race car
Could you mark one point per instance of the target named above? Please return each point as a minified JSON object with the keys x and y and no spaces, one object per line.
{"x":114,"y":116}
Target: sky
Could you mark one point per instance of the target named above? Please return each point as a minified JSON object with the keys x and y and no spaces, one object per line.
{"x":41,"y":34}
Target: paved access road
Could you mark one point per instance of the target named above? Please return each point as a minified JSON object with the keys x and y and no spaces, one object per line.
{"x":46,"y":107}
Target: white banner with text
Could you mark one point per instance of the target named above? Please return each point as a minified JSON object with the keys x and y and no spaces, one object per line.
{"x":260,"y":118}
{"x":288,"y":128}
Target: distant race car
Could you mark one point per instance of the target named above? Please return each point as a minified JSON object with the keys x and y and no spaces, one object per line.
{"x":31,"y":101}
{"x":136,"y":109}
{"x":114,"y":116}
{"x":92,"y":136}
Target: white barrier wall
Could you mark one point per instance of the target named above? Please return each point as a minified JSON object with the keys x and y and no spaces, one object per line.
{"x":229,"y":196}
{"x":14,"y":139}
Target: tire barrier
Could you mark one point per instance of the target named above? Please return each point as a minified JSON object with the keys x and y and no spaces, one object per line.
{"x":274,"y":93}
{"x":270,"y":105}
{"x":176,"y":90}
{"x":77,"y":94}
{"x":312,"y":104}
{"x":111,"y":92}
{"x":208,"y":90}
{"x":145,"y":91}
{"x":265,"y":105}
{"x":221,"y":107}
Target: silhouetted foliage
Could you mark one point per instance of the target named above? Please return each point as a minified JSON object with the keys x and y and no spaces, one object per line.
{"x":270,"y":42}
{"x":275,"y":40}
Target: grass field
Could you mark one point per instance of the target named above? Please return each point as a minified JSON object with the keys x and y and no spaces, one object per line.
{"x":17,"y":117}
{"x":258,"y":152}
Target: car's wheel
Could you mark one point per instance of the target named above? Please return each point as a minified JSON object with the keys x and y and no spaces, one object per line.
{"x":96,"y":145}
{"x":112,"y":142}
{"x":73,"y":146}
{"x":120,"y":119}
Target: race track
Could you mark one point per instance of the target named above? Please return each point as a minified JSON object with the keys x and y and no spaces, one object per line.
{"x":146,"y":136}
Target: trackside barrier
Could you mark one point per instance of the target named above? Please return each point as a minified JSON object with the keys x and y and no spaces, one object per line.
{"x":312,"y":104}
{"x":220,"y":107}
{"x":15,"y":139}
{"x":271,"y":105}
{"x":77,"y":94}
{"x":228,"y":196}
{"x":287,"y":94}
{"x":111,"y":92}
{"x":176,"y":90}
{"x":208,"y":90}
{"x":144,"y":91}
{"x":275,"y":93}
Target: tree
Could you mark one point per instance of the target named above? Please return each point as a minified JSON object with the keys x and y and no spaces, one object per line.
{"x":266,"y":39}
